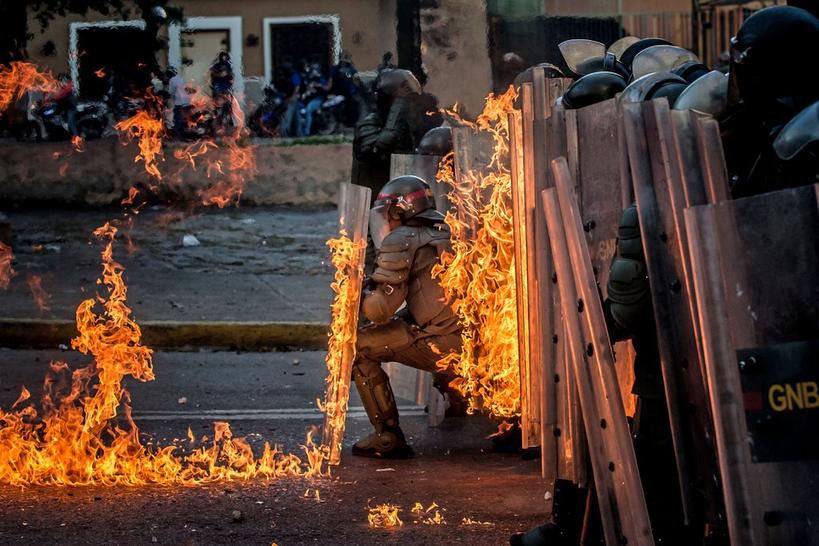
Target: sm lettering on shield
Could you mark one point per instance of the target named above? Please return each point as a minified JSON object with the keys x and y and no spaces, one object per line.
{"x":780,"y":392}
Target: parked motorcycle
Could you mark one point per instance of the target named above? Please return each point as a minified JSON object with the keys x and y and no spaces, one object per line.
{"x":265,"y":120}
{"x":329,"y":119}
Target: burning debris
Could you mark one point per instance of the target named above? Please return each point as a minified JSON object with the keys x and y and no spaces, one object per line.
{"x":385,"y":516}
{"x":478,"y":276}
{"x":430,"y":515}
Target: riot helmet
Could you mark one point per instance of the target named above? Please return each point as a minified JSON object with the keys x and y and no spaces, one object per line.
{"x":593,"y":88}
{"x":660,"y":58}
{"x":620,"y":46}
{"x":770,"y":59}
{"x":394,"y":83}
{"x":708,"y":94}
{"x":436,"y":141}
{"x":402,"y":199}
{"x":654,"y":86}
{"x":691,"y":71}
{"x":800,"y":135}
{"x":627,"y":58}
{"x":585,"y":57}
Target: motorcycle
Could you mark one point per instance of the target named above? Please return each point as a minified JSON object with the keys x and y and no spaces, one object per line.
{"x":52,"y":120}
{"x":265,"y":120}
{"x":329,"y":119}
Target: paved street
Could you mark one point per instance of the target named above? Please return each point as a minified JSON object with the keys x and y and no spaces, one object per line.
{"x":271,"y":396}
{"x":250,"y":264}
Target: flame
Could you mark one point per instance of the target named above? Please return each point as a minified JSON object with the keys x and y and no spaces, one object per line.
{"x":478,"y":275}
{"x":24,"y":395}
{"x":19,"y":78}
{"x":422,"y":514}
{"x":84,"y":433}
{"x":345,"y":255}
{"x":100,"y":73}
{"x":384,"y":516}
{"x":470,"y":521}
{"x":6,"y":271}
{"x":79,"y":143}
{"x":41,"y":297}
{"x":503,"y":428}
{"x":148,"y":130}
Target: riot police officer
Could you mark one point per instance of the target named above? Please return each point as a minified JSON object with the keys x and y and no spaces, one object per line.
{"x":385,"y":131}
{"x":410,"y":236}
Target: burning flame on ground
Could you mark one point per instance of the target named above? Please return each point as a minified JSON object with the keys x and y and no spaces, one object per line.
{"x":478,"y":276}
{"x":19,"y":78}
{"x":423,"y":514}
{"x":41,"y":297}
{"x":384,"y":516}
{"x":6,"y":271}
{"x":77,"y":438}
{"x":345,"y":255}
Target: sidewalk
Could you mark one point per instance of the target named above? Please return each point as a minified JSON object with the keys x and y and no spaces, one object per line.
{"x":258,"y":277}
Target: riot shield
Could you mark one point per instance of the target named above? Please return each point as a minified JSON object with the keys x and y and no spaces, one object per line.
{"x":347,"y":252}
{"x":756,"y":265}
{"x":596,"y":160}
{"x":425,"y":167}
{"x":408,"y":382}
{"x":617,"y":481}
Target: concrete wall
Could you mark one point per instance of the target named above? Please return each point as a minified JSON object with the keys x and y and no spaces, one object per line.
{"x":104,"y":172}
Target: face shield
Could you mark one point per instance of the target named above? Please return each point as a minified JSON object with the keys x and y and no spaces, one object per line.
{"x":379,"y":223}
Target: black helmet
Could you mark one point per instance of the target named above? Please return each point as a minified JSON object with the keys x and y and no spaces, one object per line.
{"x":406,"y":197}
{"x":691,"y":71}
{"x":800,"y":135}
{"x":654,"y":86}
{"x":397,"y":82}
{"x":770,"y":58}
{"x":593,"y":88}
{"x":631,"y":51}
{"x":437,"y":141}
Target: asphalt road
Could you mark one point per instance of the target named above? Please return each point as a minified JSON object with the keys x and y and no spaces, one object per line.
{"x":271,"y":396}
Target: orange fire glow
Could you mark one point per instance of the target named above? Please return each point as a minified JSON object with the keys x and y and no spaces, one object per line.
{"x":84,"y":433}
{"x":345,"y":254}
{"x":41,"y":297}
{"x":6,"y":271}
{"x":20,"y":77}
{"x":478,"y":275}
{"x":384,"y":516}
{"x":148,"y":131}
{"x":430,"y":515}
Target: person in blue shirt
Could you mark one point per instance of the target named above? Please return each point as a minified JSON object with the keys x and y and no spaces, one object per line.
{"x":315,"y":93}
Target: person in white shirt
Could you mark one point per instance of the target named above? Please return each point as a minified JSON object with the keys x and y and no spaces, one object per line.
{"x":177,"y":88}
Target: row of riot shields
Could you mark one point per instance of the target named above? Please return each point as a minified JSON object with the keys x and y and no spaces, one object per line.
{"x":735,"y":300}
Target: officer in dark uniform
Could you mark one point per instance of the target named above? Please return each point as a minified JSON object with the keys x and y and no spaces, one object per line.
{"x":385,"y":131}
{"x":769,"y":84}
{"x":410,"y":236}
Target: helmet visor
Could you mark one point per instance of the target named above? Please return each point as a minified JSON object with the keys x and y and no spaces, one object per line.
{"x":379,"y":223}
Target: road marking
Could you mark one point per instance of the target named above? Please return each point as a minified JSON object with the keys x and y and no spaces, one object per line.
{"x":260,"y":414}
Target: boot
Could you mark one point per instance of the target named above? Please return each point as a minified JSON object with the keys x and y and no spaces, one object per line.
{"x":388,"y":440}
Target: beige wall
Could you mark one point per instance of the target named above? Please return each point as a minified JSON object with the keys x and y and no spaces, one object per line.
{"x":611,"y":7}
{"x":456,"y":53}
{"x":363,"y":31}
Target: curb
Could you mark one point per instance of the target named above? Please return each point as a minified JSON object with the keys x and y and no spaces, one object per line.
{"x":241,"y":336}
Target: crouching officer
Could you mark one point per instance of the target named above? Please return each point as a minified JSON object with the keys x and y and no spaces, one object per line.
{"x":410,"y":236}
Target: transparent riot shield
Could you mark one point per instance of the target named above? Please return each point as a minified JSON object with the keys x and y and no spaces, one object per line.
{"x":665,"y":167}
{"x":347,"y":255}
{"x":407,"y":382}
{"x":596,"y":162}
{"x":617,"y":481}
{"x":427,"y":168}
{"x":756,"y":265}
